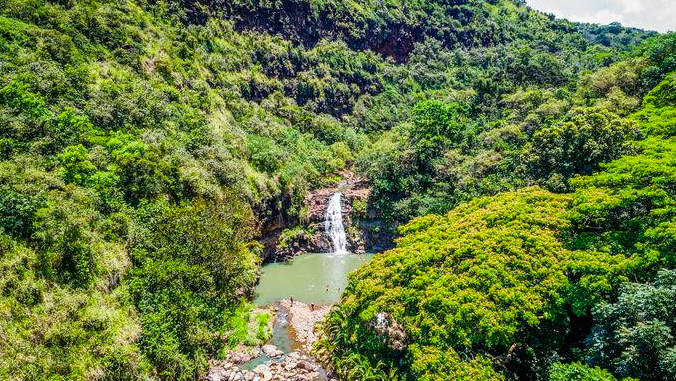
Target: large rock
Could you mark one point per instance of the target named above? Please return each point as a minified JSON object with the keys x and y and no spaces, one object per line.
{"x":390,"y":331}
{"x":353,"y":188}
{"x":272,"y":351}
{"x":217,"y":374}
{"x":263,"y":371}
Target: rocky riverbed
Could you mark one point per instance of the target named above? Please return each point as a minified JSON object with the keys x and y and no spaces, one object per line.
{"x":275,"y":364}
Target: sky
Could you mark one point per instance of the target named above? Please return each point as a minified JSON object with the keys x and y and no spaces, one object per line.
{"x":659,"y":15}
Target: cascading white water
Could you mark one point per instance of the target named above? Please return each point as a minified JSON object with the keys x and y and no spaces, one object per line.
{"x":333,"y":224}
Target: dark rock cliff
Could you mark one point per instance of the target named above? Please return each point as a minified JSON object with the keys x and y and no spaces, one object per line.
{"x":288,"y":240}
{"x":388,"y":28}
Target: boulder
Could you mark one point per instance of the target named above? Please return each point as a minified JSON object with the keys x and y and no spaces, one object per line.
{"x":303,"y":364}
{"x":261,"y":369}
{"x":217,"y":374}
{"x":290,"y":365}
{"x":272,"y":351}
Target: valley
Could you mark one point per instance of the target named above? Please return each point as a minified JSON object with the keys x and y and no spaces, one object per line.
{"x":334,"y":190}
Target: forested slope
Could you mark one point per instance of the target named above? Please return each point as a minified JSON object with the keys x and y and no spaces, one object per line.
{"x":145,"y":145}
{"x":532,"y":284}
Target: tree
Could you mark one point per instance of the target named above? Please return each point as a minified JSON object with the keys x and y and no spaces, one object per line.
{"x":493,"y":278}
{"x":75,"y":161}
{"x":629,"y":206}
{"x":636,"y":335}
{"x":435,"y":126}
{"x":193,"y":264}
{"x":579,"y":372}
{"x":589,"y":137}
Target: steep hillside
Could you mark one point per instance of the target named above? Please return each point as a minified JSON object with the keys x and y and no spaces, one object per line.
{"x":145,"y":146}
{"x":515,"y":285}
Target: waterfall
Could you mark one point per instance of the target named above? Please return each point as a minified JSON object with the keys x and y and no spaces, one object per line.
{"x":333,"y":224}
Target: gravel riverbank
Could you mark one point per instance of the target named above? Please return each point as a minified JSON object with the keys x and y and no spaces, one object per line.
{"x":296,"y":365}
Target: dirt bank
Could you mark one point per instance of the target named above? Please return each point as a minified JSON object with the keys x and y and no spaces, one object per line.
{"x":303,"y":319}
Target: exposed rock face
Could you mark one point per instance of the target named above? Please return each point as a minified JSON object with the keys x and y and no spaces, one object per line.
{"x":391,"y":333}
{"x":354,"y":189}
{"x":301,"y":243}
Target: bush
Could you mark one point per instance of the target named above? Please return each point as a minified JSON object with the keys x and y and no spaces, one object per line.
{"x":579,"y":372}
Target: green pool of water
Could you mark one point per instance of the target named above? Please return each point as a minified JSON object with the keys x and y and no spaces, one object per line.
{"x":310,"y":278}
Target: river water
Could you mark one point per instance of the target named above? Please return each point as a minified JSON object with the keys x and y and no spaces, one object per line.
{"x":310,"y":278}
{"x":318,"y":279}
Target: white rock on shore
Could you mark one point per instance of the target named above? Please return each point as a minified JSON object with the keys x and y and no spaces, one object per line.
{"x":303,"y":320}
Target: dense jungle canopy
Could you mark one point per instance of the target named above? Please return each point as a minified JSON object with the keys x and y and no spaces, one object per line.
{"x":527,"y":164}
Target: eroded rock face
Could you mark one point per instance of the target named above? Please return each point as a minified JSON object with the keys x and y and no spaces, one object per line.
{"x":391,"y":333}
{"x":353,"y":188}
{"x":301,"y":244}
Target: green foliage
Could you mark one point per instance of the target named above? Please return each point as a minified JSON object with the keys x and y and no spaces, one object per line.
{"x":579,"y":145}
{"x":658,"y":112}
{"x":331,"y":348}
{"x":131,"y":163}
{"x":519,"y":128}
{"x":634,"y":335}
{"x":579,"y":372}
{"x":17,"y":213}
{"x":143,"y":145}
{"x":264,"y":154}
{"x":19,"y":97}
{"x":78,"y":168}
{"x":492,"y":277}
{"x":56,"y":331}
{"x":288,"y":236}
{"x":434,"y":127}
{"x":629,"y":206}
{"x":192,"y":264}
{"x":660,"y":53}
{"x":504,"y":286}
{"x":63,"y":229}
{"x":615,"y":35}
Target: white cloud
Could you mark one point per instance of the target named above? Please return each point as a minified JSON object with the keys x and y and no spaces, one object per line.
{"x":657,"y":15}
{"x":631,"y":6}
{"x":602,"y":16}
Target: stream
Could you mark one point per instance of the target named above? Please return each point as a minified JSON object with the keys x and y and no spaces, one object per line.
{"x":299,"y":292}
{"x":317,"y":278}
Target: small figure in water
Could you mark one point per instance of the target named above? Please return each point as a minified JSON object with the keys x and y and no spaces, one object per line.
{"x":291,"y":300}
{"x":327,"y":287}
{"x":312,"y":306}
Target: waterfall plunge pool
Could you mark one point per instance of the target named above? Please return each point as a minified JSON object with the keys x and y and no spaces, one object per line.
{"x":306,"y":277}
{"x":318,"y":279}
